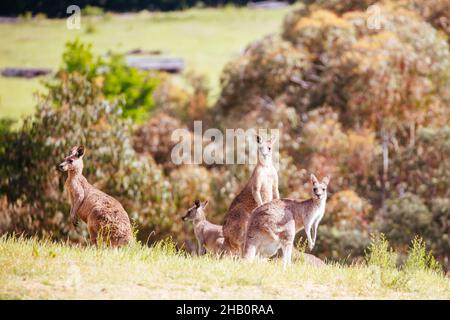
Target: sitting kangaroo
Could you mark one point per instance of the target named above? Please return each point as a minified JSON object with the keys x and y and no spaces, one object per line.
{"x":103,"y":214}
{"x":274,"y":225}
{"x":261,"y":188}
{"x":209,"y":235}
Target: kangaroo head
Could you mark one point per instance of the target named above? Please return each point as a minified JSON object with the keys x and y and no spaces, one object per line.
{"x":264,"y":149}
{"x":74,"y":161}
{"x":196,"y":211}
{"x":319,"y":189}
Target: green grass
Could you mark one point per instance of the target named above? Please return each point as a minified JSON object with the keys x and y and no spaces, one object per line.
{"x":205,"y":38}
{"x":33,"y":269}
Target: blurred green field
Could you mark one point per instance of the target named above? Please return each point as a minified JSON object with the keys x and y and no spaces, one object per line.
{"x":205,"y":38}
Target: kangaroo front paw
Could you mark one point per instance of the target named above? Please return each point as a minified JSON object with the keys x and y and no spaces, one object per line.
{"x":311,"y":246}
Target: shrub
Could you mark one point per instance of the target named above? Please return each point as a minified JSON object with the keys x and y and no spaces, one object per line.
{"x":113,"y":77}
{"x":350,"y":156}
{"x":320,"y":32}
{"x":6,"y":125}
{"x":341,"y":6}
{"x":134,"y":86}
{"x":228,"y":181}
{"x":185,"y":98}
{"x":436,"y":12}
{"x":191,"y":182}
{"x":406,"y":216}
{"x":351,"y":63}
{"x":92,"y":11}
{"x":341,"y":243}
{"x":423,"y":166}
{"x":347,"y":209}
{"x":379,"y":253}
{"x":419,"y":258}
{"x":438,"y":230}
{"x":78,"y":57}
{"x":264,"y":71}
{"x":154,"y":137}
{"x":90,"y":27}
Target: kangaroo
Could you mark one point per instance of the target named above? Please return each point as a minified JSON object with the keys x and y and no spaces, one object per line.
{"x":101,"y":212}
{"x":274,"y":225}
{"x":209,"y":236}
{"x":261,"y":188}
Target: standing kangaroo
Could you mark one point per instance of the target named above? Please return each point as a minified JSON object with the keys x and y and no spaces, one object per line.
{"x":274,"y":225}
{"x":261,"y":188}
{"x":103,"y":214}
{"x":209,"y":236}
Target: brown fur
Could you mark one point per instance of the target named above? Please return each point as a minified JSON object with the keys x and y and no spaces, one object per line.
{"x":209,"y":235}
{"x":275,"y":224}
{"x":261,"y":188}
{"x":103,"y":214}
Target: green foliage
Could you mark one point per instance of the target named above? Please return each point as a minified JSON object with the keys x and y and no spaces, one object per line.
{"x":420,"y":171}
{"x":27,"y":15}
{"x":424,"y":165}
{"x":438,"y":231}
{"x":166,"y":247}
{"x":5,"y":125}
{"x":419,"y":258}
{"x":92,"y":11}
{"x":341,"y":243}
{"x":379,"y":253}
{"x":381,"y":260}
{"x":90,"y":27}
{"x":134,"y":86}
{"x":21,"y":170}
{"x":301,"y":245}
{"x":406,"y":216}
{"x":114,"y":78}
{"x":78,"y":57}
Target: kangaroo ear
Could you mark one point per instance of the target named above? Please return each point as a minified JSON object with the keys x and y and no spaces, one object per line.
{"x":326,"y":180}
{"x":204,"y":204}
{"x":314,"y":179}
{"x":80,"y":151}
{"x":73,"y":151}
{"x":258,"y":138}
{"x":197,"y":203}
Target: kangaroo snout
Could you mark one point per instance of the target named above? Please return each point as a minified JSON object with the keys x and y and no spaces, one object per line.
{"x":62,"y":167}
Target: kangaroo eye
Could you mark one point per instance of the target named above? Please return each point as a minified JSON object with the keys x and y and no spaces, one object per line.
{"x":270,"y":148}
{"x":70,"y":161}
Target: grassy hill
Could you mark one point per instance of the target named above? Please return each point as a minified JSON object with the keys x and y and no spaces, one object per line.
{"x":205,"y":38}
{"x":33,"y":269}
